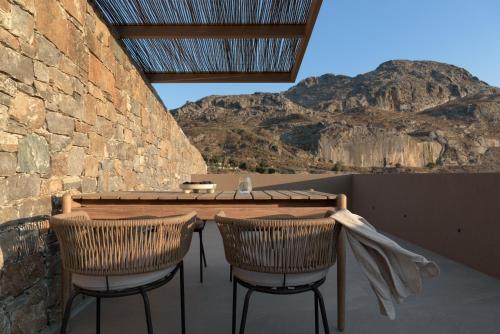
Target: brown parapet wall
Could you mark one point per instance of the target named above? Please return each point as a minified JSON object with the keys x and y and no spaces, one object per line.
{"x":455,"y":215}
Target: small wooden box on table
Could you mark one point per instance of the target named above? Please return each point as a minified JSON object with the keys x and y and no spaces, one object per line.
{"x":117,"y":205}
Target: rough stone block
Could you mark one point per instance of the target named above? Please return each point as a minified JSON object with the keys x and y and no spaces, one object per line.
{"x":21,"y":186}
{"x":17,"y":65}
{"x":61,"y":80}
{"x":22,"y":24}
{"x":89,"y":185}
{"x":70,"y":105}
{"x":90,"y":111}
{"x":76,"y":158}
{"x":6,"y":214}
{"x":51,"y":186}
{"x":51,"y":22}
{"x":9,"y":39}
{"x":60,"y":124}
{"x":97,"y":145}
{"x":41,"y":72}
{"x":58,"y":143}
{"x":72,"y":182}
{"x":21,"y":275}
{"x":33,"y":207}
{"x":28,"y":110}
{"x":82,"y":127}
{"x":59,"y":164}
{"x":80,"y":139}
{"x":100,"y":75}
{"x":7,"y":85}
{"x":5,"y":6}
{"x":8,"y":163}
{"x":47,"y":52}
{"x":104,"y":127}
{"x":76,"y":8}
{"x":33,"y":155}
{"x":29,"y":314}
{"x":91,"y":166}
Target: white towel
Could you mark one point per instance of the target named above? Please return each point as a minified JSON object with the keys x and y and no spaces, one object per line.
{"x":394,"y":272}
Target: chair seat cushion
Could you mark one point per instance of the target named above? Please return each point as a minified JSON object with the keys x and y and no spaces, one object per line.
{"x":278,"y":280}
{"x":98,"y":283}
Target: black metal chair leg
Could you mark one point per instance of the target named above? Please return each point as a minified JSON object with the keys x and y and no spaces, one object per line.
{"x":183,"y":306}
{"x":200,"y":233}
{"x":202,"y":248}
{"x":323,"y":311}
{"x":98,"y":316}
{"x":316,"y":320}
{"x":148,"y":311}
{"x":245,"y":311}
{"x":67,"y":312}
{"x":235,"y":288}
{"x":230,"y":273}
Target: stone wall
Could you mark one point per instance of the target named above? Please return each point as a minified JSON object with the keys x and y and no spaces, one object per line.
{"x":75,"y":115}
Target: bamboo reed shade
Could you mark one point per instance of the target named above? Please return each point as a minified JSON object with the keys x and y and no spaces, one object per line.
{"x":214,"y":40}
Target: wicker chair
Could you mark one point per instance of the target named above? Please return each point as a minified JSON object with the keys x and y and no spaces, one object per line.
{"x":279,"y":255}
{"x":116,"y":258}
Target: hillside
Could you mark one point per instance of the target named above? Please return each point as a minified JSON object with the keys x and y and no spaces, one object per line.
{"x":407,"y":114}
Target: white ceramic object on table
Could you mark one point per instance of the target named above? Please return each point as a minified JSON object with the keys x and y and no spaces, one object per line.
{"x":189,"y":188}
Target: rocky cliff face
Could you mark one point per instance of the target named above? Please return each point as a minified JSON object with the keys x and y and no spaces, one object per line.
{"x":412,"y":114}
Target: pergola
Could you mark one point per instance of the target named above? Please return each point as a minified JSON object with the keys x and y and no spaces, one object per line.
{"x":202,"y":41}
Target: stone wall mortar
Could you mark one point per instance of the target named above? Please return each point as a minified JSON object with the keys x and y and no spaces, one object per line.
{"x":75,"y":116}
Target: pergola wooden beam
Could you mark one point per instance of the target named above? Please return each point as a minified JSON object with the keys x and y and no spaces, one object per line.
{"x":219,"y":77}
{"x":154,"y":38}
{"x":311,"y":21}
{"x":222,"y":31}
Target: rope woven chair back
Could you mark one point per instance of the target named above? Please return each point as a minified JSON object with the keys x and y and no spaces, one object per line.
{"x":279,"y":245}
{"x":120,"y":247}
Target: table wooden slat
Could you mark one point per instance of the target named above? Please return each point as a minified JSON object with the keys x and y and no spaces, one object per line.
{"x":132,"y":195}
{"x":327,"y":195}
{"x":168,"y":196}
{"x":275,"y":195}
{"x":240,"y":196}
{"x":150,"y":197}
{"x":184,"y":196}
{"x":208,"y":196}
{"x":226,"y":195}
{"x":293,"y":195}
{"x":91,"y":196}
{"x":310,"y":194}
{"x":260,"y":195}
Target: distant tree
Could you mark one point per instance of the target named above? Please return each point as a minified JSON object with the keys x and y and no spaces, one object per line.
{"x":243,"y":166}
{"x":338,"y":167}
{"x":431,"y":165}
{"x":271,"y":170}
{"x":398,"y":165}
{"x":260,"y":170}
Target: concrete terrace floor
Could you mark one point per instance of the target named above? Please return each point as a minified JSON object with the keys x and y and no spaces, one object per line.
{"x":461,"y":300}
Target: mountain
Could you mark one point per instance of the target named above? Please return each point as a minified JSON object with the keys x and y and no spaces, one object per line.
{"x":405,"y":114}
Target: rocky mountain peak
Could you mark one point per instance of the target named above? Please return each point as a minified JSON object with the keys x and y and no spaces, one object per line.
{"x":374,"y":119}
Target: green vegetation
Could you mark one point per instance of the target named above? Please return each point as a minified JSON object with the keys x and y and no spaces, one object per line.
{"x":338,"y":167}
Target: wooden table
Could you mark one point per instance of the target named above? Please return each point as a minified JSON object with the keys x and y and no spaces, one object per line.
{"x":116,"y":205}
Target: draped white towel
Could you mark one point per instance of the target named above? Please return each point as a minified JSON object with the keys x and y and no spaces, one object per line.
{"x":393,"y":272}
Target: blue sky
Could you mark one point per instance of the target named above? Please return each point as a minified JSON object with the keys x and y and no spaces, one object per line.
{"x":355,"y":36}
